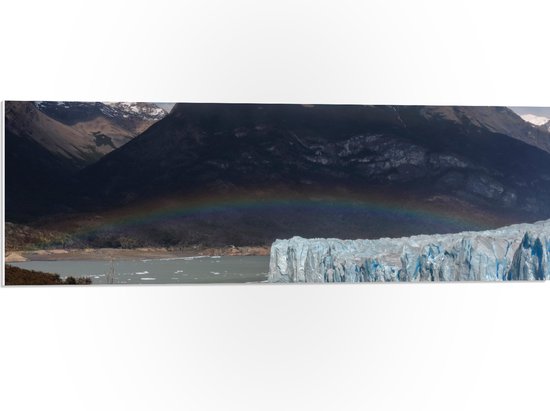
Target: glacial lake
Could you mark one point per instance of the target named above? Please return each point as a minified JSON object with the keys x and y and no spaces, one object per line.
{"x":177,"y":270}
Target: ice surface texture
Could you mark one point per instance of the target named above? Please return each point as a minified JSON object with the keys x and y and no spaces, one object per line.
{"x":517,"y":252}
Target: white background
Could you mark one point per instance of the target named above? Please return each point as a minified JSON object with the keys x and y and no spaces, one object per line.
{"x":357,"y":347}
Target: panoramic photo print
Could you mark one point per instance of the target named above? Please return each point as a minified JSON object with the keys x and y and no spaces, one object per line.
{"x":196,"y":193}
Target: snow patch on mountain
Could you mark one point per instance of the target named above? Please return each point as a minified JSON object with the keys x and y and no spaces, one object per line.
{"x":535,"y":120}
{"x":145,"y":111}
{"x":141,"y":111}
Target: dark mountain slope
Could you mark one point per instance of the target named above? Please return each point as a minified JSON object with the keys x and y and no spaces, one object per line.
{"x":36,"y":179}
{"x":501,"y":120}
{"x":478,"y":166}
{"x":202,"y":147}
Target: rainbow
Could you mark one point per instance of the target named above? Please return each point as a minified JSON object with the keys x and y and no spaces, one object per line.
{"x":395,"y":209}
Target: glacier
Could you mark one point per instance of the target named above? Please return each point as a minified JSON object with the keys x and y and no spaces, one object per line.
{"x":517,"y":252}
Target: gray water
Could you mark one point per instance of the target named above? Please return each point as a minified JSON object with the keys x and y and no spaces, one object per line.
{"x":188,"y":270}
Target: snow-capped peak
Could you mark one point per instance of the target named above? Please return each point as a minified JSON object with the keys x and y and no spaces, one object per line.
{"x":535,"y":120}
{"x":147,"y":111}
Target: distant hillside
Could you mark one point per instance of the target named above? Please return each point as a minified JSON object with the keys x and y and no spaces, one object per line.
{"x":78,"y":132}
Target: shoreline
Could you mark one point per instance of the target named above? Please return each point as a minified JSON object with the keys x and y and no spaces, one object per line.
{"x":106,"y":254}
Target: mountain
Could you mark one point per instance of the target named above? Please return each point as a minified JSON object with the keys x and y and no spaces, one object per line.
{"x":48,"y":142}
{"x":321,"y":170}
{"x":80,"y":132}
{"x":501,"y":120}
{"x":545,"y":127}
{"x":132,"y":117}
{"x":201,"y":146}
{"x":35,"y":178}
{"x":540,"y":122}
{"x":518,"y":252}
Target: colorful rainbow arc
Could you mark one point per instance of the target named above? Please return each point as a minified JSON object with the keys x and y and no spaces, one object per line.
{"x":391,"y":208}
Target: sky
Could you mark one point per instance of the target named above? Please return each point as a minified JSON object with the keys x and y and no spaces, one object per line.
{"x":538,"y":111}
{"x":166,"y":106}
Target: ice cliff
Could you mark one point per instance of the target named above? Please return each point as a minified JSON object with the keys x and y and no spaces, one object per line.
{"x":517,"y":252}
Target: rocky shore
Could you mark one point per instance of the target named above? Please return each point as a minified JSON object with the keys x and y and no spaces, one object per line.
{"x":128,"y":254}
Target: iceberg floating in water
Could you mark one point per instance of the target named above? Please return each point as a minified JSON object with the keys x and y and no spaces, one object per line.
{"x":517,"y":252}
